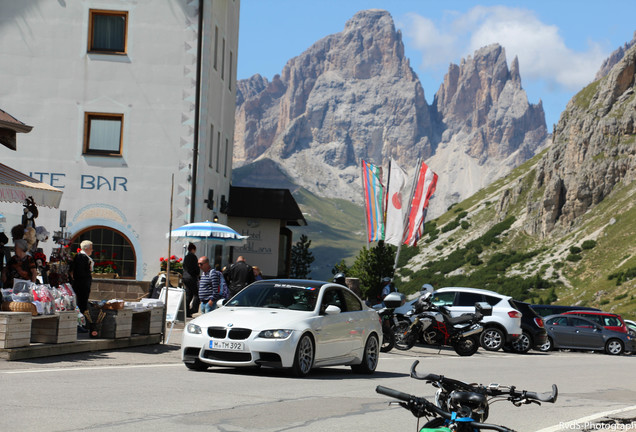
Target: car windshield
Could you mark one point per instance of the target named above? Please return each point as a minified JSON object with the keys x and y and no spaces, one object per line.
{"x":278,"y":296}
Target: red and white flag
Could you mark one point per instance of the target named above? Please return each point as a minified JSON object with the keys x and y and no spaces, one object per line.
{"x":424,"y":189}
{"x":397,"y":205}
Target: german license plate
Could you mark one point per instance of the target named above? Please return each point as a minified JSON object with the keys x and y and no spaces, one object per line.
{"x":226,"y":345}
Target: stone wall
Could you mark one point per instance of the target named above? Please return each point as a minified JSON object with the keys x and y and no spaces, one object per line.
{"x":129,"y":290}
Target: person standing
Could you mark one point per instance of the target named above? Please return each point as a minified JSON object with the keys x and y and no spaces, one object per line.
{"x":239,"y":276}
{"x":21,"y":265}
{"x":82,"y":277}
{"x":209,"y":285}
{"x":258,"y":275}
{"x":191,"y":280}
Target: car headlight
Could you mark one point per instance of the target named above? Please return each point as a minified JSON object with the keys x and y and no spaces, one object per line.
{"x":193,"y":328}
{"x":275,"y":334}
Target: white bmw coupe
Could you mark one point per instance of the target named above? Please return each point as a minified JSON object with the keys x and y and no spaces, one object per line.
{"x":297,"y":324}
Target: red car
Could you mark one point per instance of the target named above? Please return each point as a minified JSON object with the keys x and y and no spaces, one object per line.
{"x":608,"y":320}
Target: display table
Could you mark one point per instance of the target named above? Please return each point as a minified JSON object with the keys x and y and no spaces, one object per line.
{"x":123,"y":323}
{"x":58,"y":328}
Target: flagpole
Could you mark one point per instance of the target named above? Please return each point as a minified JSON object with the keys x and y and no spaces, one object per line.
{"x":386,"y":195}
{"x":364,"y":203}
{"x":167,"y":284}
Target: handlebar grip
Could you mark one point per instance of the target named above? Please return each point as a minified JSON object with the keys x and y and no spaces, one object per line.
{"x":394,"y":393}
{"x":545,"y":397}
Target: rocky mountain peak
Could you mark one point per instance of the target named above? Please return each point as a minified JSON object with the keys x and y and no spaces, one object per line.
{"x":614,"y":58}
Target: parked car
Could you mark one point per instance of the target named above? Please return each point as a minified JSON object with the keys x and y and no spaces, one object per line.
{"x":608,"y":320}
{"x":296,"y":324}
{"x":631,"y":325}
{"x":503,"y":326}
{"x":575,"y":332}
{"x":547,"y":310}
{"x":533,"y":330}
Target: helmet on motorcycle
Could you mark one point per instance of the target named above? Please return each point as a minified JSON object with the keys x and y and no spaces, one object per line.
{"x":427,"y":288}
{"x":340,"y":278}
{"x":423,"y":303}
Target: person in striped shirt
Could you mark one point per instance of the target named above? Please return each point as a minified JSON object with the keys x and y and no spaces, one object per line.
{"x":209,"y":285}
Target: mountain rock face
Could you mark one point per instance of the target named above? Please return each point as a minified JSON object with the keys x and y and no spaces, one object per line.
{"x":353,"y":95}
{"x":614,"y":58}
{"x":594,"y":149}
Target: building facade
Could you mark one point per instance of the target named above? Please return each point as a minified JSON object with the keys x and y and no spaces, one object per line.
{"x":132,"y":103}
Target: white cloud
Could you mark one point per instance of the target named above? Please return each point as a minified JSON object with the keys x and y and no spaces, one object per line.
{"x":542,"y":52}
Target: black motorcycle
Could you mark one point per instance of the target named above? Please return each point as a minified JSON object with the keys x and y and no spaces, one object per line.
{"x":435,"y":326}
{"x":390,"y":319}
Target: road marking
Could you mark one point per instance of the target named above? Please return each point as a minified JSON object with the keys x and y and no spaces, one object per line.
{"x":89,"y":368}
{"x":571,"y":424}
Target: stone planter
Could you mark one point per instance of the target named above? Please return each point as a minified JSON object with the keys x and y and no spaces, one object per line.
{"x":105,"y":275}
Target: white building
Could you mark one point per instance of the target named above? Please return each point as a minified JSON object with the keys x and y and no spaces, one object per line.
{"x":122,"y":95}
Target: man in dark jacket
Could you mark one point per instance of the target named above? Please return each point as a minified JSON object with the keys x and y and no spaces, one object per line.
{"x":238,"y":276}
{"x":82,"y":276}
{"x":191,"y":279}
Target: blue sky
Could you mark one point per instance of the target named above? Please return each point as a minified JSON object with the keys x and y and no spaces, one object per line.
{"x":560,"y":43}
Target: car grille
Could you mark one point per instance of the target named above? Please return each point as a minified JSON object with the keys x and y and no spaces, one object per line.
{"x":239,"y":333}
{"x":217,"y":332}
{"x":228,"y":356}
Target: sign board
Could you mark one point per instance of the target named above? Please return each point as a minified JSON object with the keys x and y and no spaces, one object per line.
{"x":175,"y":304}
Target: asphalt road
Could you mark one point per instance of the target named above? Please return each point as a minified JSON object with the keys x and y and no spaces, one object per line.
{"x":148,"y":389}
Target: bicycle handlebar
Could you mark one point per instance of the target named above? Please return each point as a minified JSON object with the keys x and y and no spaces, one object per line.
{"x":421,"y":403}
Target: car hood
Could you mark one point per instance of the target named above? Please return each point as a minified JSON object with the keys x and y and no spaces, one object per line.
{"x":253,"y":318}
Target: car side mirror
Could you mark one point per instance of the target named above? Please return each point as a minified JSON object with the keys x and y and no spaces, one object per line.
{"x":332,"y":310}
{"x":220,"y":302}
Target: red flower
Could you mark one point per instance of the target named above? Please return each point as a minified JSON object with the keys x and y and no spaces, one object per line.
{"x":114,"y":255}
{"x":96,"y":254}
{"x":161,"y":259}
{"x":78,"y":250}
{"x":173,"y":257}
{"x":180,"y":259}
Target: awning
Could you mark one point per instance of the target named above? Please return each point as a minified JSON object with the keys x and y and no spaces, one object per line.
{"x":16,"y":187}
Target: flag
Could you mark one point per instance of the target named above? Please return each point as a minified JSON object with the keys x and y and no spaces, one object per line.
{"x":373,"y":194}
{"x":397,"y":204}
{"x":424,"y":189}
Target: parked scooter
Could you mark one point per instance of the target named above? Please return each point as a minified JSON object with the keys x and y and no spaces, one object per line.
{"x":436,"y":326}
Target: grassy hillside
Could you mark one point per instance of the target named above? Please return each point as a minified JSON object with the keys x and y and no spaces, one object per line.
{"x":483,"y":242}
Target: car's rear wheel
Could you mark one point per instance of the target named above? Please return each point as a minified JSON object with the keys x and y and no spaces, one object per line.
{"x":523,"y":343}
{"x":304,"y":358}
{"x":614,"y":347}
{"x":492,"y":339}
{"x":547,"y":346}
{"x":370,"y":357}
{"x":196,"y":365}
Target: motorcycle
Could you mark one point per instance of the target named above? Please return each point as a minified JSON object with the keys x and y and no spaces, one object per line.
{"x":436,"y":326}
{"x":389,"y":318}
{"x":462,"y":407}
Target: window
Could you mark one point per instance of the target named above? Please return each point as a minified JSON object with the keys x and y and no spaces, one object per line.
{"x":227,"y":147}
{"x":211,"y":153}
{"x":109,"y":246}
{"x":216,"y":46}
{"x":218,"y":151}
{"x":103,"y":133}
{"x":229,"y":77}
{"x":223,"y":59}
{"x":444,"y":299}
{"x":468,"y":299}
{"x":107,"y":31}
{"x":353,"y":304}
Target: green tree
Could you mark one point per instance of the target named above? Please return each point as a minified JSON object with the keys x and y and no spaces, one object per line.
{"x":301,"y":258}
{"x":341,"y":267}
{"x":371,"y":265}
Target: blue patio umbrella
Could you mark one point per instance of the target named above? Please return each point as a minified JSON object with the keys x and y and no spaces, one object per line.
{"x":209,"y":232}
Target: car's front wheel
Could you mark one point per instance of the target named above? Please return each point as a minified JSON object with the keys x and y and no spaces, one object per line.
{"x":614,"y":347}
{"x":304,"y":358}
{"x":522,"y":344}
{"x":370,"y":357}
{"x":492,"y":339}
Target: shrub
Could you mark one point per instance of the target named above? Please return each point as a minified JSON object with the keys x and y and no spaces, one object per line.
{"x":604,"y":302}
{"x":574,"y":257}
{"x":465,"y":225}
{"x":458,"y":209}
{"x":450,"y":226}
{"x":620,"y":296}
{"x":588,"y":244}
{"x":558,"y":265}
{"x":575,"y":250}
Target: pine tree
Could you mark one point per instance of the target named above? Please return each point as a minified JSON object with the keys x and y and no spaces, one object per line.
{"x":371,"y":265}
{"x":301,"y":258}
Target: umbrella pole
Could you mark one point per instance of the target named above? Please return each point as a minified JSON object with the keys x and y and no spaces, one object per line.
{"x":165,"y":306}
